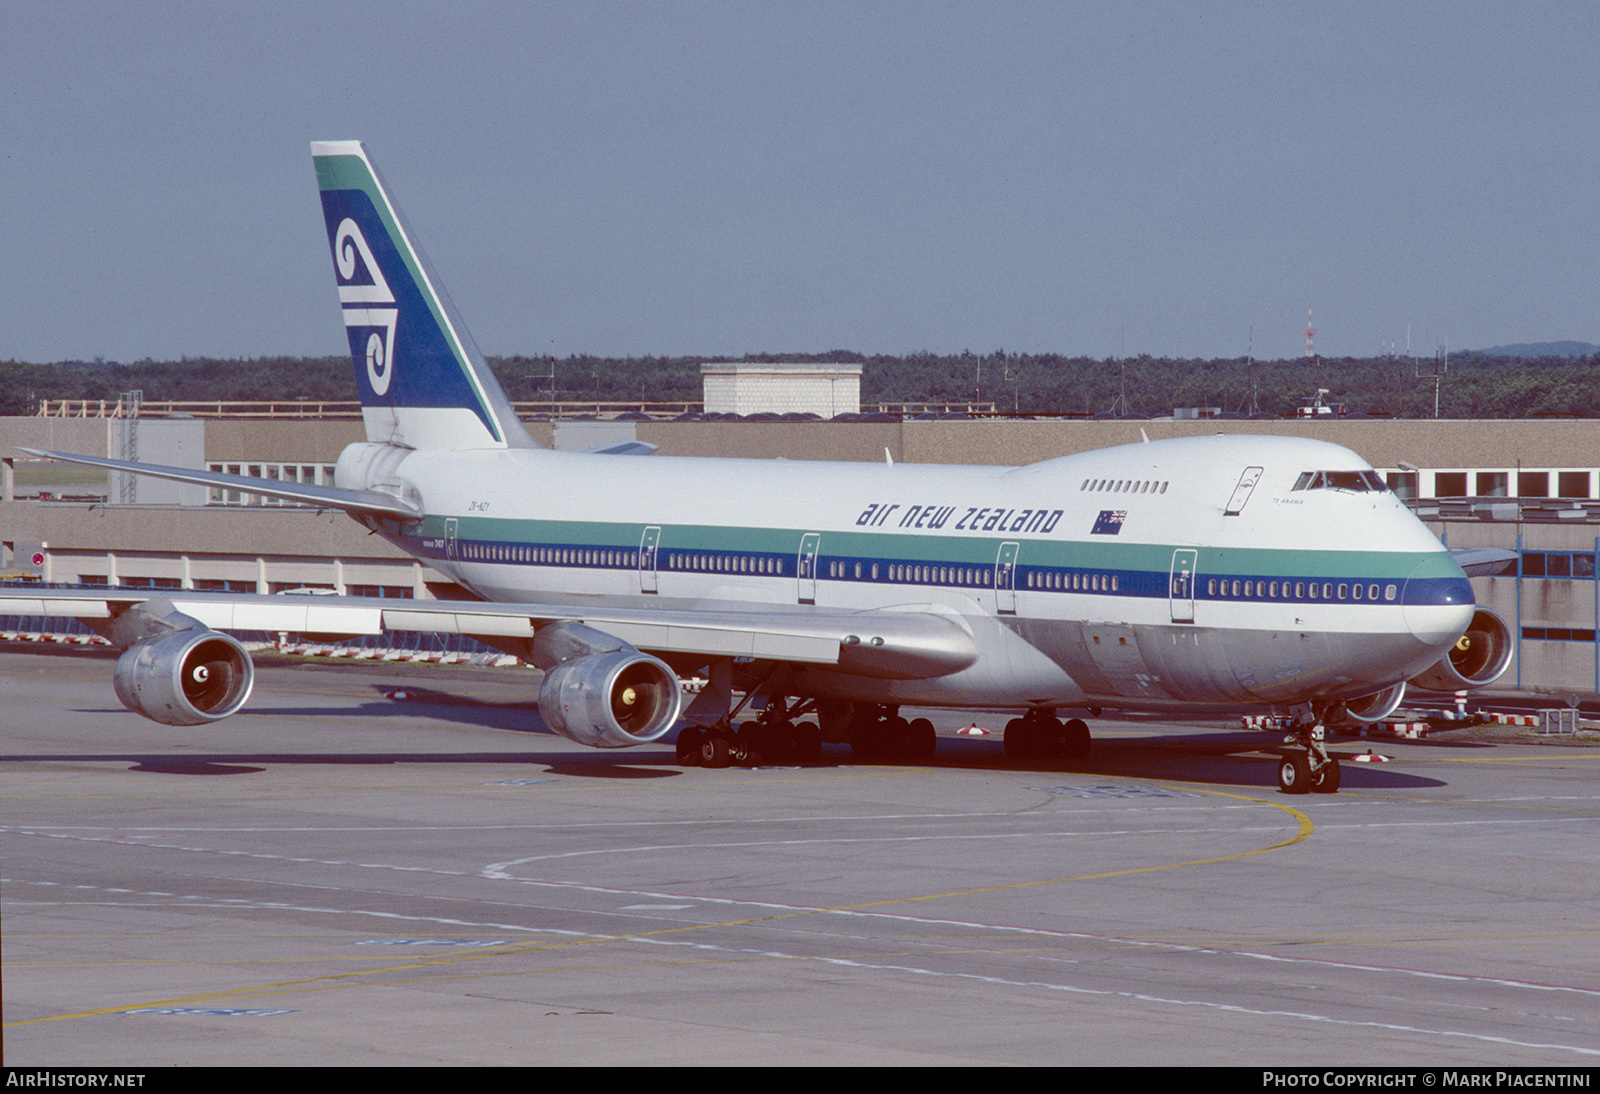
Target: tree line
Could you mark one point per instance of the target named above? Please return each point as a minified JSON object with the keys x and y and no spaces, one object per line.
{"x":1474,"y":386}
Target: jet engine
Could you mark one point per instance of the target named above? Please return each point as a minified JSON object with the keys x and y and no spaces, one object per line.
{"x":1375,"y":707}
{"x":185,"y":678}
{"x":1476,"y":660}
{"x":611,"y":700}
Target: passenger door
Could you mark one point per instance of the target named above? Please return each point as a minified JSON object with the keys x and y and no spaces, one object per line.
{"x":1005,"y":579}
{"x":1184,"y":562}
{"x":806,"y":567}
{"x":647,"y":559}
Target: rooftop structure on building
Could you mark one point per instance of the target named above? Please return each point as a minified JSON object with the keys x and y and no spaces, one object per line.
{"x":743,"y":387}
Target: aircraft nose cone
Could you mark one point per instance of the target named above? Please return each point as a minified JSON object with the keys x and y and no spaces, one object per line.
{"x":1437,"y":601}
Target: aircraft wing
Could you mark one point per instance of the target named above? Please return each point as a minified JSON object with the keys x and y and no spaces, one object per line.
{"x":330,"y":497}
{"x":882,"y":644}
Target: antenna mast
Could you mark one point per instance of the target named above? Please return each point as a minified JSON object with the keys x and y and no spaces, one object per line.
{"x":1120,"y":406}
{"x":1441,"y":369}
{"x":1252,"y":401}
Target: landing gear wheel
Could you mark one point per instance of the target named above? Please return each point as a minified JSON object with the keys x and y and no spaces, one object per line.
{"x":1294,"y":775}
{"x":1313,"y":769}
{"x":872,"y":734}
{"x":688,"y":745}
{"x":745,"y":749}
{"x":783,"y":742}
{"x":897,"y":739}
{"x":1325,"y":780}
{"x":867,"y":739}
{"x":921,"y":740}
{"x":714,"y":750}
{"x":1075,"y":739}
{"x":808,"y":743}
{"x":1020,"y":740}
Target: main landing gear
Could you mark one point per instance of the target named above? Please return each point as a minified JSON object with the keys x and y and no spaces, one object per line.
{"x":879,"y":733}
{"x":774,"y":737}
{"x":1040,"y":735}
{"x":1311,"y":770}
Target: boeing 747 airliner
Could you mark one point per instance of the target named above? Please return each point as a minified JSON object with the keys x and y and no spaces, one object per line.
{"x":1206,"y":573}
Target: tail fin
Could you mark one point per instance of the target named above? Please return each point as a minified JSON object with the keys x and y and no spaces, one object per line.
{"x":423,"y":382}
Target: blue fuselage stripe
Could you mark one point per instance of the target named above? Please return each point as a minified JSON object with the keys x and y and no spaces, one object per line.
{"x":1314,"y":584}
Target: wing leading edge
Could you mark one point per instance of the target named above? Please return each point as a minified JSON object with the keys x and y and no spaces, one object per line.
{"x":883,"y":645}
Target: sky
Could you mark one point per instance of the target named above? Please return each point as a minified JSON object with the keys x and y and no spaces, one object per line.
{"x":630,"y":178}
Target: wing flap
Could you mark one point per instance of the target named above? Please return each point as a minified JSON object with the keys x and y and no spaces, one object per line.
{"x":498,"y":623}
{"x":321,"y":615}
{"x":95,"y":607}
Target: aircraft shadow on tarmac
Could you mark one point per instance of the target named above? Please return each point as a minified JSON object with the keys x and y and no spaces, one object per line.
{"x":1237,"y":760}
{"x":432,"y":704}
{"x":1241,"y":761}
{"x":1222,"y":763}
{"x":252,"y":763}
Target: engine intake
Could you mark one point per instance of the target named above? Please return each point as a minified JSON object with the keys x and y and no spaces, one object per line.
{"x":611,"y":700}
{"x":185,"y":678}
{"x":1476,"y":660}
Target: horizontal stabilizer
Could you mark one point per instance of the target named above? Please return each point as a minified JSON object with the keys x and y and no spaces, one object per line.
{"x":624,"y":448}
{"x":1485,"y":561}
{"x":327,"y":497}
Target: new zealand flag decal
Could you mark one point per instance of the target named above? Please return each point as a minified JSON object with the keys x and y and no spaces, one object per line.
{"x":1109,"y":522}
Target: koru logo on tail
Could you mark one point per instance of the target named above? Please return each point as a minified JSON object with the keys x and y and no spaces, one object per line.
{"x":351,"y":256}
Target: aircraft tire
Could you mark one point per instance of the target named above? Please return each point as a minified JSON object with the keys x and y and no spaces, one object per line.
{"x":783,"y":742}
{"x":745,"y":748}
{"x":1021,"y":740}
{"x":1326,"y":780}
{"x":1075,"y":739}
{"x":897,"y":739}
{"x":808,"y":743}
{"x":688,"y":745}
{"x":714,"y":750}
{"x":922,"y":740}
{"x":868,"y":736}
{"x":1294,"y":775}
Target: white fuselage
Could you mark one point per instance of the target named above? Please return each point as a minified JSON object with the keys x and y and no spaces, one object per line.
{"x":1188,"y":572}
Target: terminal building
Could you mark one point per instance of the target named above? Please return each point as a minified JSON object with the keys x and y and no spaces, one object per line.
{"x":1532,"y":487}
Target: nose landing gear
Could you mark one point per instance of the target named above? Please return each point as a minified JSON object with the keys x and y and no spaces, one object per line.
{"x":1313,"y":770}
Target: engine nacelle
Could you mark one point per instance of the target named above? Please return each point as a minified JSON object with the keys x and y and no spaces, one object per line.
{"x":611,"y":700}
{"x":185,"y":678}
{"x":1375,"y":707}
{"x":1476,"y":660}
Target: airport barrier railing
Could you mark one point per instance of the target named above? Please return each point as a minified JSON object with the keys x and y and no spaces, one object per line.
{"x":528,"y":410}
{"x":1507,"y":510}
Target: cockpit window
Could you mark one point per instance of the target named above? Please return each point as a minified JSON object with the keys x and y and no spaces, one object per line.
{"x":1355,"y":481}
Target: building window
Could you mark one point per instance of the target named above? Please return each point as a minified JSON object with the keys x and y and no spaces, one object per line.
{"x":1533,"y":484}
{"x":1492,"y":484}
